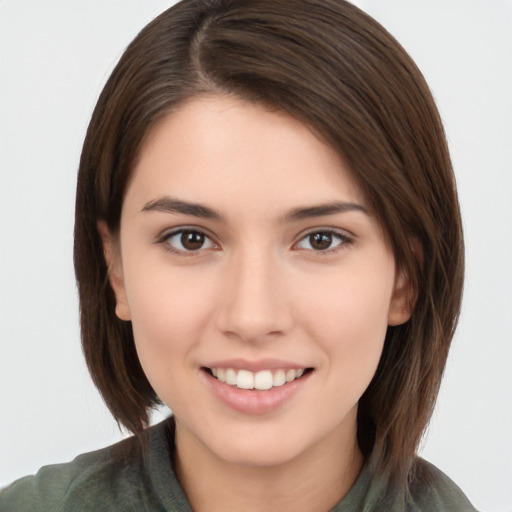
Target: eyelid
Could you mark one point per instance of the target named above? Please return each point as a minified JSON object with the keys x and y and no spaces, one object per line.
{"x":341,"y":234}
{"x":162,"y":239}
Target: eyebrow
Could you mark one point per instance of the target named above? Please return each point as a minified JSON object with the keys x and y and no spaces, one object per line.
{"x":323,"y":209}
{"x":169,"y":204}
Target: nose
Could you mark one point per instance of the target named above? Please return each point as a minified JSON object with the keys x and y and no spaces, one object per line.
{"x":254,"y":305}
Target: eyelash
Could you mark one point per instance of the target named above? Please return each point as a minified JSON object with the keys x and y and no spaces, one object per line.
{"x":166,"y":237}
{"x":343,"y":239}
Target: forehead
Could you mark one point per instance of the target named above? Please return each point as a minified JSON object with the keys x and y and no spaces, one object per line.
{"x":229,"y":151}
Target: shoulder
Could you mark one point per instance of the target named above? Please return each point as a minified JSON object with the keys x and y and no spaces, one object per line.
{"x":113,"y":478}
{"x":431,"y":490}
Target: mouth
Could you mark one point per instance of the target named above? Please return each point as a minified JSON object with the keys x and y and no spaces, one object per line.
{"x":262,"y":380}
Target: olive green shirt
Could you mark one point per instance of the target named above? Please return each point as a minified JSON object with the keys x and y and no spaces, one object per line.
{"x":124,"y":477}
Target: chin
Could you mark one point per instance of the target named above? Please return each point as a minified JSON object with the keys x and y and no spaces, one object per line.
{"x":259,"y":447}
{"x":257,"y":455}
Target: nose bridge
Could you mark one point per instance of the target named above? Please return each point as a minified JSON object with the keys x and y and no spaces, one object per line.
{"x":254,"y":302}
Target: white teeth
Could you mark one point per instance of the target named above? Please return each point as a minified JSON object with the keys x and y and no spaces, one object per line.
{"x":262,"y":380}
{"x":231,"y":377}
{"x":245,"y":380}
{"x":279,"y":378}
{"x":290,"y":375}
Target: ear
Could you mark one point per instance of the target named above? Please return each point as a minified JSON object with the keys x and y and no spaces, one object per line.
{"x":112,"y":255}
{"x":404,"y":297}
{"x":401,"y":304}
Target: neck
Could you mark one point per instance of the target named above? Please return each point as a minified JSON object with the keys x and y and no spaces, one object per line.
{"x":315,"y":480}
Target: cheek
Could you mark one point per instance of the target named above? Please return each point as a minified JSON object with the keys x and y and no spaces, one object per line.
{"x":168,"y":315}
{"x":350,"y":321}
{"x":168,"y":311}
{"x":350,"y":300}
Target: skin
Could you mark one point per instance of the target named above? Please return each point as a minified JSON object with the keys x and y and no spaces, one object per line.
{"x":257,"y":289}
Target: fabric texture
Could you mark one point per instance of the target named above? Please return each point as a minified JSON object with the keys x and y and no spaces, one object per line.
{"x":125,"y":477}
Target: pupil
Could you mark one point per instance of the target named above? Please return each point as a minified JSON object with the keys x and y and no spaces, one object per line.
{"x":320,"y":241}
{"x":192,"y":240}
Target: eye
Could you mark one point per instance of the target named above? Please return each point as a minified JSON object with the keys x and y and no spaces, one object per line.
{"x":188,"y":240}
{"x":322,"y":241}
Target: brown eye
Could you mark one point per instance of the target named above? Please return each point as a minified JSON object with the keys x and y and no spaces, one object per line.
{"x":192,"y":240}
{"x":188,"y":240}
{"x":322,"y":241}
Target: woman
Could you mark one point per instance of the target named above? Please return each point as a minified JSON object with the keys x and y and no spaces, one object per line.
{"x":268,"y":240}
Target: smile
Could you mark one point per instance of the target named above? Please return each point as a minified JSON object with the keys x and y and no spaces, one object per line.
{"x":261,"y":380}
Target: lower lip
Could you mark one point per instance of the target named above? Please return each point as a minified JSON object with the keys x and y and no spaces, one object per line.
{"x":255,"y":401}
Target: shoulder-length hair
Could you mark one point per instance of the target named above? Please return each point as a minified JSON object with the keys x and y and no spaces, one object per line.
{"x":331,"y":66}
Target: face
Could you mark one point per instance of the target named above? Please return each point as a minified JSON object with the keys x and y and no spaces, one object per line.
{"x":258,"y":284}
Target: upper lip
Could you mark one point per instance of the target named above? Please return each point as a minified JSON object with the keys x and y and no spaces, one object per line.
{"x":256,"y":365}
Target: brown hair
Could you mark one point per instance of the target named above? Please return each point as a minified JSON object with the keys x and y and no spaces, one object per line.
{"x":333,"y":67}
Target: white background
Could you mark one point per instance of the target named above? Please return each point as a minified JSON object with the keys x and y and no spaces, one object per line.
{"x":54,"y":58}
